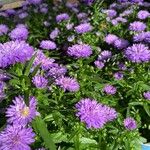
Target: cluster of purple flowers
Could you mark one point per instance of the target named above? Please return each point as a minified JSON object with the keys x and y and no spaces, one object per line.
{"x":47,"y":44}
{"x":83,"y":28}
{"x":94,"y":114}
{"x":62,"y":17}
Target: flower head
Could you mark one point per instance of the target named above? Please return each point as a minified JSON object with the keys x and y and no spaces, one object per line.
{"x":118,"y":75}
{"x":67,"y":83}
{"x":121,"y":43}
{"x":94,"y":114}
{"x":19,"y":33}
{"x":35,"y":2}
{"x":3,"y":29}
{"x":83,"y":28}
{"x":110,"y":38}
{"x":16,"y":138}
{"x":109,"y":89}
{"x":147,"y":95}
{"x":130,"y":123}
{"x":138,"y":53}
{"x":14,"y":51}
{"x":54,"y":33}
{"x":143,"y":14}
{"x":137,"y":26}
{"x":62,"y":17}
{"x":21,"y":114}
{"x":47,"y":44}
{"x":99,"y":64}
{"x":104,"y":55}
{"x":39,"y":81}
{"x":80,"y":50}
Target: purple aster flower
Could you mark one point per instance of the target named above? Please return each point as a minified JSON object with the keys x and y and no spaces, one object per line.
{"x":39,"y":81}
{"x":137,"y":26}
{"x":105,"y":55}
{"x":11,"y":12}
{"x":69,"y":26}
{"x":20,"y":113}
{"x":47,"y":44}
{"x":142,"y":37}
{"x":23,"y":15}
{"x":94,"y":114}
{"x":19,"y":33}
{"x":99,"y":64}
{"x":46,"y":23}
{"x":130,"y":123}
{"x":13,"y":52}
{"x":109,"y":89}
{"x":54,"y":33}
{"x":147,"y":95}
{"x":45,"y":62}
{"x":118,"y":75}
{"x":110,"y":38}
{"x":143,"y":14}
{"x":67,"y":83}
{"x":138,"y":53}
{"x":16,"y":138}
{"x":121,"y":43}
{"x":83,"y":28}
{"x":35,"y":2}
{"x":3,"y":29}
{"x":110,"y":13}
{"x":126,"y":13}
{"x":56,"y":71}
{"x":80,"y":51}
{"x":82,"y":15}
{"x":120,"y":19}
{"x":122,"y":66}
{"x":44,"y":10}
{"x":62,"y":17}
{"x":114,"y":22}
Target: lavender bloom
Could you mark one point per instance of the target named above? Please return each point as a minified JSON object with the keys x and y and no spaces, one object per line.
{"x":19,"y":33}
{"x":16,"y":138}
{"x":142,"y":37}
{"x":62,"y":17}
{"x":71,"y":38}
{"x":99,"y":64}
{"x":13,"y":52}
{"x":130,"y":123}
{"x":67,"y":83}
{"x":56,"y":71}
{"x":83,"y":28}
{"x":118,"y":75}
{"x":40,"y":82}
{"x":120,"y":19}
{"x":121,"y":43}
{"x":82,"y":15}
{"x":10,"y":12}
{"x":143,"y":14}
{"x":110,"y":38}
{"x":122,"y":66}
{"x":114,"y":22}
{"x":3,"y":29}
{"x":54,"y":33}
{"x":109,"y":89}
{"x":138,"y":53}
{"x":23,"y":15}
{"x":20,"y":113}
{"x":110,"y":13}
{"x":94,"y":114}
{"x":80,"y":51}
{"x":126,"y":13}
{"x":46,"y":23}
{"x":47,"y":44}
{"x":44,"y":10}
{"x":46,"y":63}
{"x":69,"y":26}
{"x":137,"y":26}
{"x":104,"y":55}
{"x":35,"y":2}
{"x":147,"y":95}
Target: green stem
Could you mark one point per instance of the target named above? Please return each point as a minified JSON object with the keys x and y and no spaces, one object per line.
{"x":100,"y":140}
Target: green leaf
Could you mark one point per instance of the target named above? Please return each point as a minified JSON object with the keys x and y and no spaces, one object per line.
{"x":59,"y":137}
{"x":40,"y":126}
{"x":146,"y":108}
{"x":29,"y":65}
{"x":84,"y":140}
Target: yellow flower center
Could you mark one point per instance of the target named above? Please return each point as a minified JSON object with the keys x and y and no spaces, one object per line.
{"x":25,"y":112}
